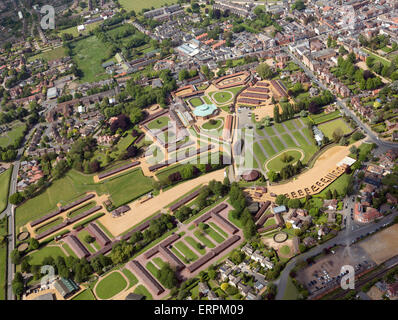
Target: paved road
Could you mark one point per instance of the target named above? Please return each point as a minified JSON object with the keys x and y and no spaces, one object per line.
{"x":10,"y":213}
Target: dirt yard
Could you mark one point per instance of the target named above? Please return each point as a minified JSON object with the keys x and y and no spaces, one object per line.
{"x":271,"y":243}
{"x":323,"y":165}
{"x":141,"y":211}
{"x":383,"y":245}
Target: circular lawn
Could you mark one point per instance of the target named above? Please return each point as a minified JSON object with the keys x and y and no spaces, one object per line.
{"x":110,"y":286}
{"x":282,"y":160}
{"x":212,"y":124}
{"x":222,"y":97}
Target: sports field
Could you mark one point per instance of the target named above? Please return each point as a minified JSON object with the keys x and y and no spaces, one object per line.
{"x":329,"y":127}
{"x":138,"y":5}
{"x":88,"y":54}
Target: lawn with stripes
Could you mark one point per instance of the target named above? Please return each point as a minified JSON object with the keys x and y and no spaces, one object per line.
{"x":268,"y":147}
{"x":289,"y":124}
{"x":159,"y":262}
{"x":214,"y":234}
{"x":217,"y":228}
{"x":269,"y":131}
{"x":202,"y":238}
{"x":152,"y":269}
{"x":279,"y":127}
{"x":259,"y":153}
{"x":195,"y":244}
{"x":180,"y":255}
{"x":288,"y":140}
{"x":278,"y":143}
{"x":298,"y":123}
{"x":188,"y":253}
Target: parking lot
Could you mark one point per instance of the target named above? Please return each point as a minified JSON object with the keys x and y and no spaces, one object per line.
{"x":325,"y":273}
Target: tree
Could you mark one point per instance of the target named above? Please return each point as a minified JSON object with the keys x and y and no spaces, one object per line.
{"x":16,"y":198}
{"x":276,"y":115}
{"x":264,"y":71}
{"x":16,"y":256}
{"x":33,"y":243}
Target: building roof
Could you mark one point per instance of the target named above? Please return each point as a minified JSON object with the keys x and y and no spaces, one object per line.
{"x":204,"y":110}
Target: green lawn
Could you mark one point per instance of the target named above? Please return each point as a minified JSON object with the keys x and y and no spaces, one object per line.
{"x":288,"y":140}
{"x":37,"y":257}
{"x":85,"y":295}
{"x":196,"y":102}
{"x":81,"y":209}
{"x":152,"y":269}
{"x":340,"y":185}
{"x":214,"y":235}
{"x":50,"y":224}
{"x":158,"y":123}
{"x":159,"y":262}
{"x":330,"y":127}
{"x":269,"y":222}
{"x":88,"y":54}
{"x":50,"y":55}
{"x":182,"y":247}
{"x":132,"y":279}
{"x":285,"y":250}
{"x":291,"y":292}
{"x":268,"y":147}
{"x":277,"y":164}
{"x":73,"y":30}
{"x":278,"y":143}
{"x":110,"y":285}
{"x":222,"y":97}
{"x":193,"y":243}
{"x":208,"y":126}
{"x":143,"y":291}
{"x":82,"y":235}
{"x":138,"y":5}
{"x":218,"y":229}
{"x":322,"y":117}
{"x":4,"y":188}
{"x":122,"y":189}
{"x":203,"y":239}
{"x":8,"y":138}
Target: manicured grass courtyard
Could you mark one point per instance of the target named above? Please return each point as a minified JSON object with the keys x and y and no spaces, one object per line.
{"x":222,"y":97}
{"x":181,"y":246}
{"x":203,"y":239}
{"x":158,"y":123}
{"x":194,"y":244}
{"x":37,"y":256}
{"x":209,"y":126}
{"x":81,"y":209}
{"x":285,"y":250}
{"x":132,"y":279}
{"x":196,"y":102}
{"x":143,"y":291}
{"x":49,"y":225}
{"x":330,"y":127}
{"x":277,"y":163}
{"x":110,"y":286}
{"x":85,"y":295}
{"x":214,"y":235}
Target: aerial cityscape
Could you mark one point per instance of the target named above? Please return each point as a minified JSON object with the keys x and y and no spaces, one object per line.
{"x":199,"y":150}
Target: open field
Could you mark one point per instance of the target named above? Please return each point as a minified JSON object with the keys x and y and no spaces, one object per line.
{"x":50,"y":55}
{"x":110,"y":286}
{"x":330,"y":127}
{"x":4,"y":187}
{"x":122,"y":189}
{"x":323,"y":117}
{"x":88,"y":54}
{"x":276,"y":164}
{"x":37,"y":257}
{"x":138,"y":5}
{"x":382,"y":245}
{"x":88,"y":27}
{"x":11,"y":136}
